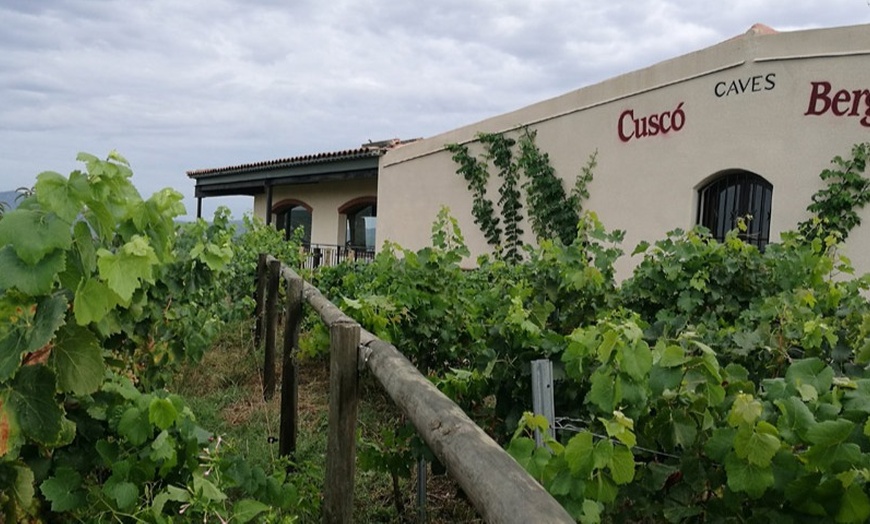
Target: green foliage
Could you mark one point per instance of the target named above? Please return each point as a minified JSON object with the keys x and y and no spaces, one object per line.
{"x":477,"y":176}
{"x":835,"y":208}
{"x":143,"y":457}
{"x":257,"y":238}
{"x":393,"y":454}
{"x":553,"y":213}
{"x":101,"y":288}
{"x":485,"y":323}
{"x":717,"y":383}
{"x":499,"y":153}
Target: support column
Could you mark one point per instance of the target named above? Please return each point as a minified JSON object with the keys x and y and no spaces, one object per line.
{"x":268,"y":203}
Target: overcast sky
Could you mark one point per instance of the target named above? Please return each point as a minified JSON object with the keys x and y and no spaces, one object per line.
{"x":175,"y":85}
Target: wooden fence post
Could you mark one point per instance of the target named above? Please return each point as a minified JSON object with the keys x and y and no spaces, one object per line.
{"x":259,"y":299}
{"x":341,"y":441}
{"x":271,"y":325}
{"x":289,"y":379}
{"x":498,"y":487}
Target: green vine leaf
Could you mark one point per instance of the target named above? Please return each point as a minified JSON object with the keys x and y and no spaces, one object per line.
{"x":247,"y":510}
{"x":123,"y":492}
{"x":836,"y":457}
{"x":135,"y":426}
{"x":602,"y":488}
{"x":20,"y":479}
{"x":84,"y":245}
{"x":36,"y":279}
{"x":758,"y":444}
{"x":621,"y":428}
{"x":34,"y":405}
{"x":163,"y":452}
{"x":46,"y":232}
{"x":579,"y":455}
{"x":796,"y":419}
{"x":127,"y":269}
{"x":93,"y":301}
{"x":50,"y":315}
{"x":63,"y":490}
{"x":672,"y":356}
{"x":162,"y":413}
{"x":622,"y":465}
{"x":836,"y":206}
{"x":78,"y":360}
{"x":605,"y":392}
{"x":854,"y":506}
{"x":521,"y":449}
{"x":636,"y":360}
{"x":830,"y":432}
{"x":63,"y":196}
{"x":591,"y":512}
{"x":810,"y":371}
{"x":720,"y":443}
{"x":748,"y":478}
{"x":11,"y":350}
{"x":685,"y":430}
{"x":745,"y":410}
{"x":483,"y":210}
{"x":206,"y":489}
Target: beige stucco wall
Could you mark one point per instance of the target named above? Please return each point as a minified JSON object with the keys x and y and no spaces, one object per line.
{"x":648,"y":186}
{"x":325,"y":198}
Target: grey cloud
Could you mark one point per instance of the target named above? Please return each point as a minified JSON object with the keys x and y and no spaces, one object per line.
{"x":204,"y":83}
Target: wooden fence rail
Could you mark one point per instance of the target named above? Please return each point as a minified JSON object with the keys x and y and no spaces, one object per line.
{"x":497,"y":486}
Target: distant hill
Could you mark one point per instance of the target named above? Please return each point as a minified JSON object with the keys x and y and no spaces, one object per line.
{"x":239,"y":224}
{"x":9,"y":198}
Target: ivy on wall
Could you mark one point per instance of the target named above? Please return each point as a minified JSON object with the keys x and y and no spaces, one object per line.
{"x":482,"y":209}
{"x":553,"y":212}
{"x":499,"y":152}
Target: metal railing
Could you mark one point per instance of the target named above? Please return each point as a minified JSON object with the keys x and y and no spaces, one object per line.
{"x":325,"y":255}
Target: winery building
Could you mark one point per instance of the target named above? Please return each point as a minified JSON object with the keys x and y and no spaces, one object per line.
{"x":331,"y":196}
{"x":742,"y":127}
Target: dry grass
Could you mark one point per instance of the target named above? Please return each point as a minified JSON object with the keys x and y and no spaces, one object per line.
{"x":225,"y":391}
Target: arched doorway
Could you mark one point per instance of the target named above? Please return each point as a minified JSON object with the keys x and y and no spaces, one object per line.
{"x":291,"y":215}
{"x":360,"y":223}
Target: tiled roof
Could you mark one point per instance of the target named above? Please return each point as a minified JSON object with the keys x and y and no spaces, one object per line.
{"x":370,"y":150}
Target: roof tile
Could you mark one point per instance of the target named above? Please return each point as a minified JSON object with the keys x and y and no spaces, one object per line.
{"x":372,"y":149}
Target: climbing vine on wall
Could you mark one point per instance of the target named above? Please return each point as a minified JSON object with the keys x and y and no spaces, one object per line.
{"x":482,"y":209}
{"x":552,"y":211}
{"x":500,"y":154}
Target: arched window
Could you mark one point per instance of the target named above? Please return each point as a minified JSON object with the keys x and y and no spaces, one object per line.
{"x":733,"y":195}
{"x":291,"y":215}
{"x":361,"y":223}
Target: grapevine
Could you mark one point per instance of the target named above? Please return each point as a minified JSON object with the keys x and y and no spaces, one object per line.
{"x":101,"y":292}
{"x":718,"y":382}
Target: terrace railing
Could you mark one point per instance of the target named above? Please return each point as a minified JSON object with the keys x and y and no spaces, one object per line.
{"x":323,"y":255}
